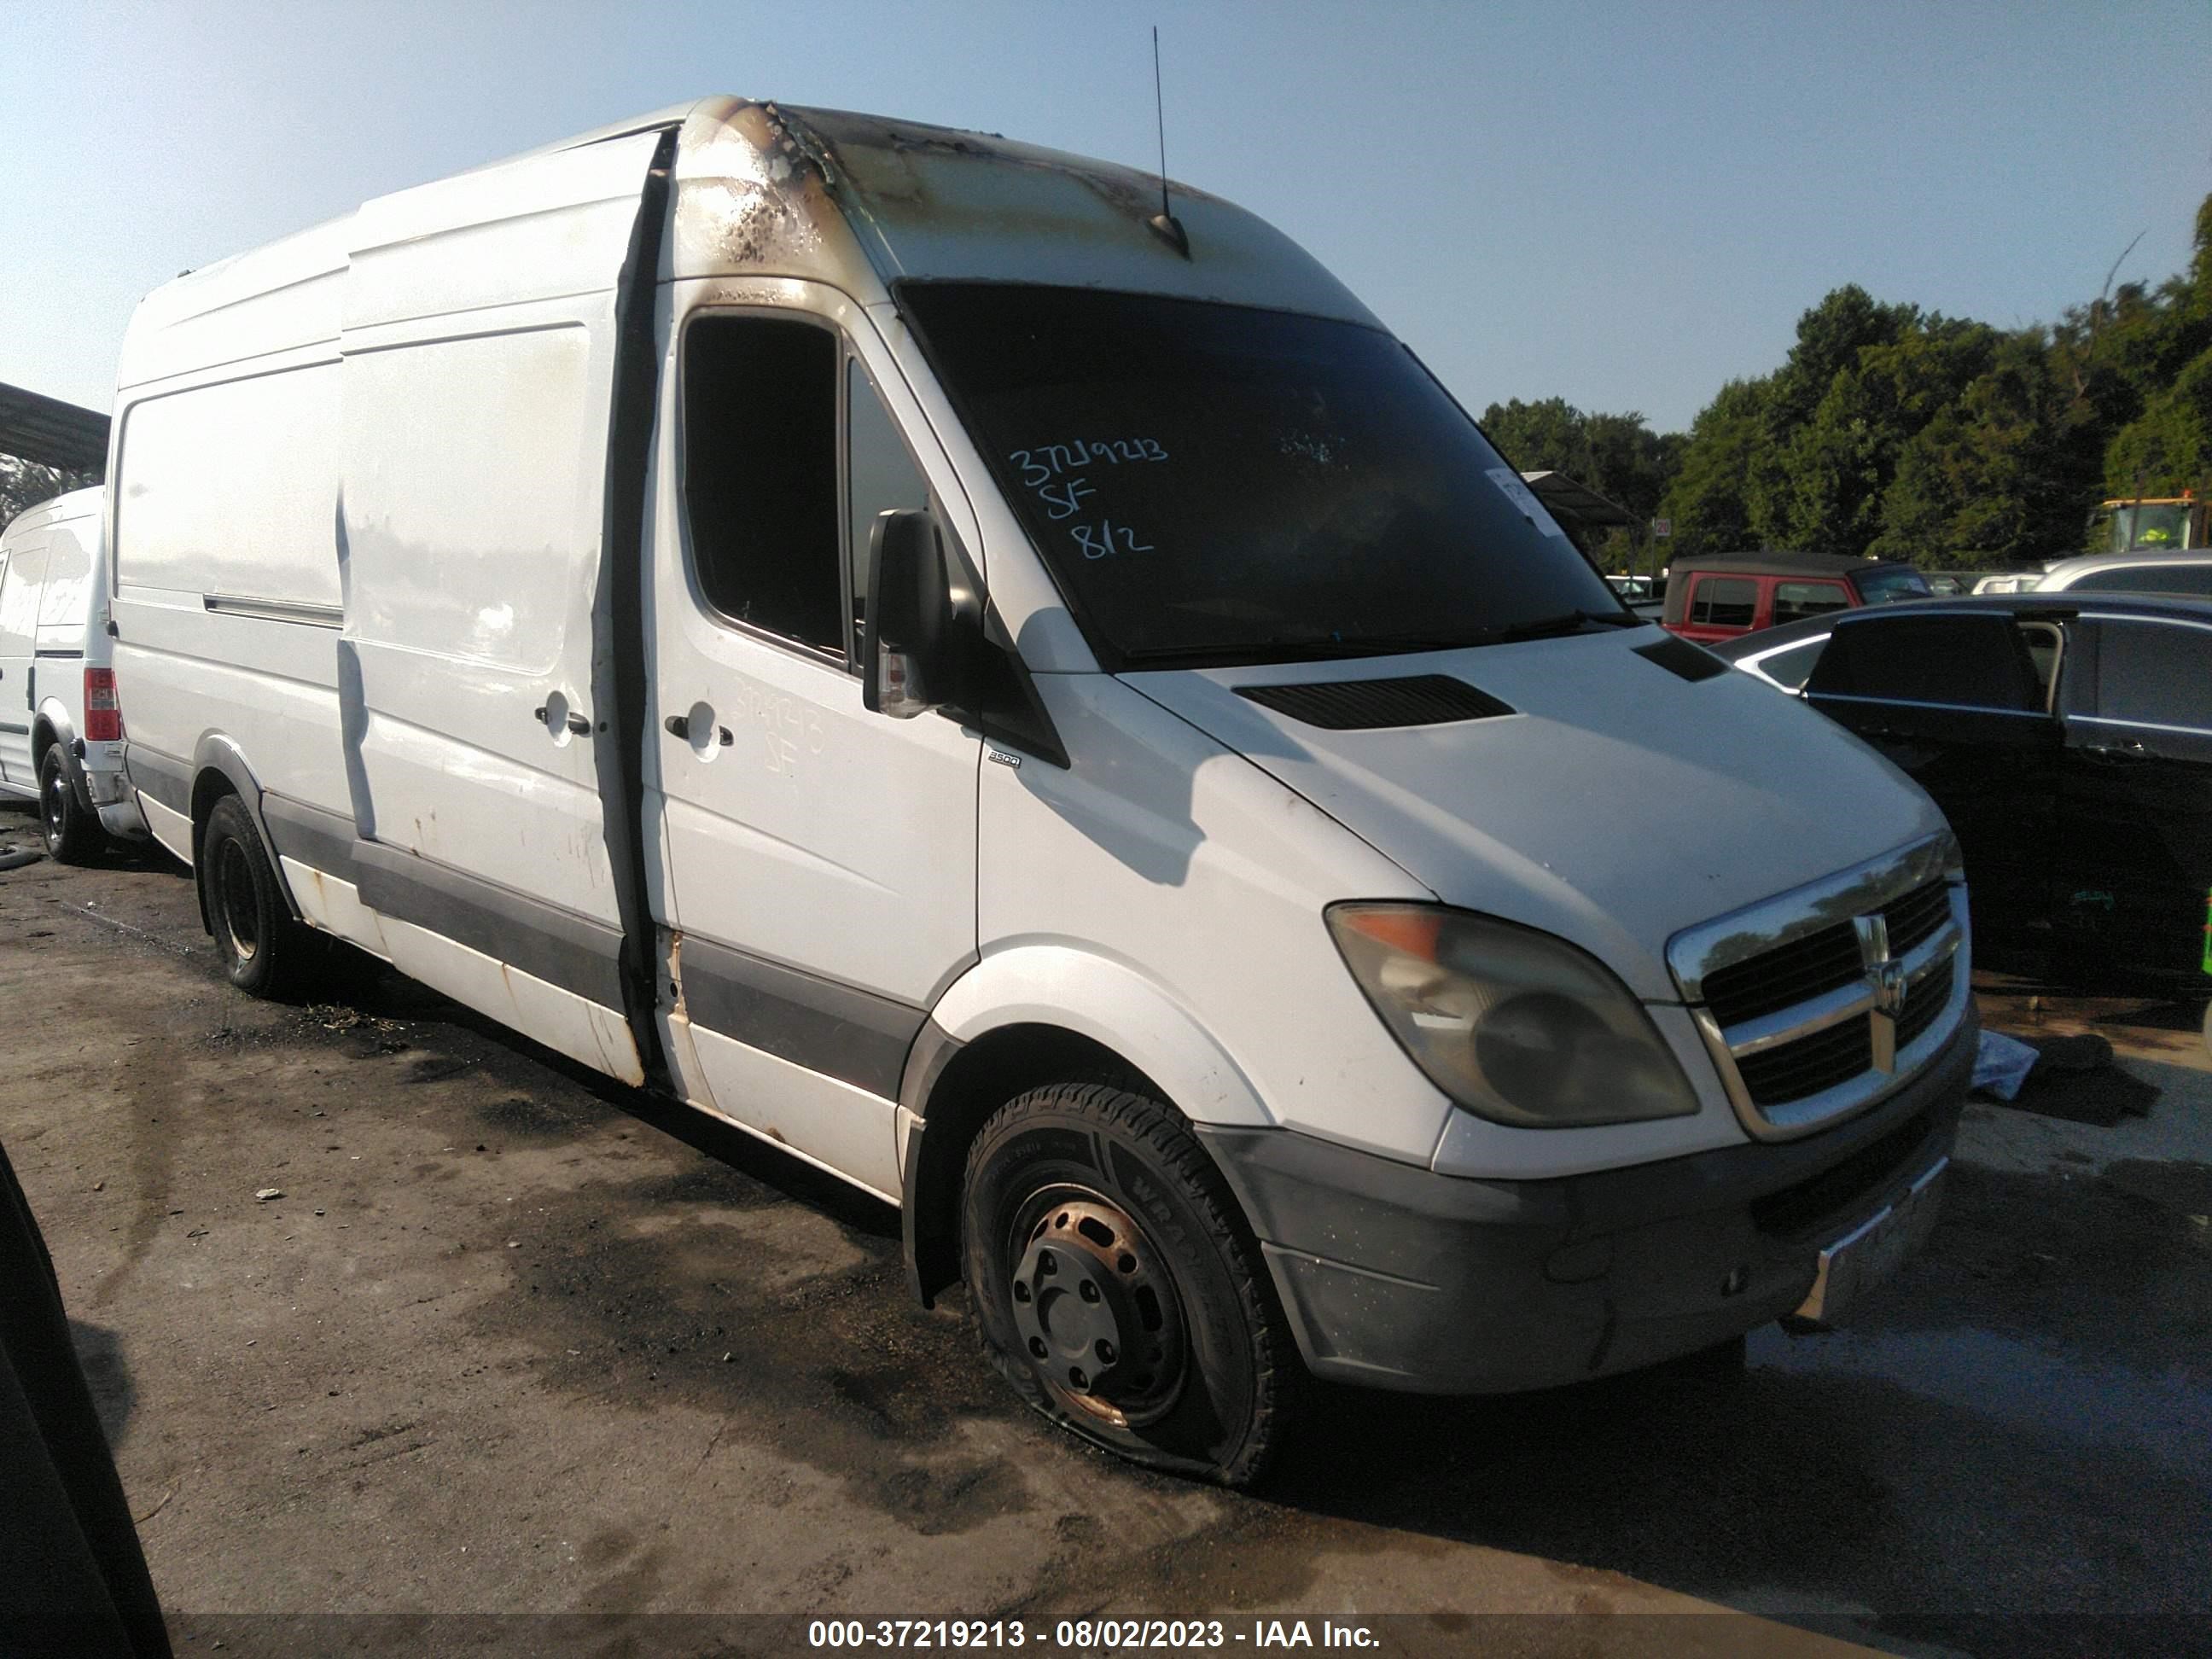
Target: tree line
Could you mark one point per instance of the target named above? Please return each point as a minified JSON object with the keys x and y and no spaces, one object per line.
{"x":24,"y":484}
{"x":1898,"y":433}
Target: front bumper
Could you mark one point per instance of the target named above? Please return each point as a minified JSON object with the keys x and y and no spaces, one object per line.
{"x":1398,"y":1278}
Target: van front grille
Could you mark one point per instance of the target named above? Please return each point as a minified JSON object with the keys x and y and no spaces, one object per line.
{"x":1916,"y":916}
{"x":1785,"y":977}
{"x":1847,"y":997}
{"x":1792,"y":1070}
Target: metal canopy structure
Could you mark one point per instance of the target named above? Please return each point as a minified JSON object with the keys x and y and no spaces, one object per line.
{"x":34,"y":428}
{"x":1577,"y":504}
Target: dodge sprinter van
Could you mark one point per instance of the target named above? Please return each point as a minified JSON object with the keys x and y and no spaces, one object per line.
{"x":61,"y":727}
{"x":1040,"y":707}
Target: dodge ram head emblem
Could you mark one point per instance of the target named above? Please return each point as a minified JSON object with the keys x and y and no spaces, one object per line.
{"x":1885,"y":978}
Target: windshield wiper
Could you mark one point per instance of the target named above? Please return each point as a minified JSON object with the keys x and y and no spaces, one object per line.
{"x":1566,"y":623}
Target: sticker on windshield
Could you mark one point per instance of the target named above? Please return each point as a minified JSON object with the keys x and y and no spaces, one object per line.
{"x":1524,"y":500}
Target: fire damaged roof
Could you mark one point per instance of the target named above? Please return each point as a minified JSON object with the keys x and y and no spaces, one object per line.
{"x":763,"y":190}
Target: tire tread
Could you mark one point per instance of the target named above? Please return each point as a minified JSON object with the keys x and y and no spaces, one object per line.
{"x":1278,"y":1375}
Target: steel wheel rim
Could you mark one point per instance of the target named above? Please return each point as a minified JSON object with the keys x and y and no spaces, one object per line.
{"x":234,"y":895}
{"x":56,"y":804}
{"x":1120,"y":1357}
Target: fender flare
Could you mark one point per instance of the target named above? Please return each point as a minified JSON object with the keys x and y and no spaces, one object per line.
{"x":51,"y":715}
{"x":1114,"y":1005}
{"x":217,"y":752}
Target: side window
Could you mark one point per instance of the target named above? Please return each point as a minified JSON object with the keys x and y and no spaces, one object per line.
{"x":880,"y":478}
{"x":1724,"y":601}
{"x":19,"y":595}
{"x":1794,"y":601}
{"x":2180,"y":577}
{"x":1964,"y":662}
{"x":68,"y":598}
{"x":2044,"y":645}
{"x":2159,"y":674}
{"x":760,"y":475}
{"x":1791,"y":666}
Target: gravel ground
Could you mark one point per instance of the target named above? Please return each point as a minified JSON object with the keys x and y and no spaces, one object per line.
{"x":515,"y":1341}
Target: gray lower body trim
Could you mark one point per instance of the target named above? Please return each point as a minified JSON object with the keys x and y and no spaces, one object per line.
{"x":322,"y":839}
{"x":576,"y":952}
{"x":854,"y":1036}
{"x":573,"y":951}
{"x":1397,"y":1277}
{"x":161,"y":778}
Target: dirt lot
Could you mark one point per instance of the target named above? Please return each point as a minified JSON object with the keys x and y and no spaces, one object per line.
{"x":515,"y":1340}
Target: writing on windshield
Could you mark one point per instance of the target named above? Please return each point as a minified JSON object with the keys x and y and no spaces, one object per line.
{"x":1207,"y":480}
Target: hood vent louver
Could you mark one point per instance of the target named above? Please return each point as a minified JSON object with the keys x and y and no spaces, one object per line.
{"x":1682,"y":659}
{"x":1356,"y":705}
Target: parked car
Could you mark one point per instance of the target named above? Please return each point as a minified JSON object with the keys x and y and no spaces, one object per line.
{"x":61,"y":725}
{"x":2006,"y":581}
{"x":1718,"y":597}
{"x":1052,"y":715}
{"x":1783,"y":656}
{"x":2130,"y":573}
{"x":2068,"y":741}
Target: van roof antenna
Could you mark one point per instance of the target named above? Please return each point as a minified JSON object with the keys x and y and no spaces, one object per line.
{"x":1164,"y":224}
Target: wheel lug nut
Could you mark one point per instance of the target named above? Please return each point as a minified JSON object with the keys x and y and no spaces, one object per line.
{"x":1021,"y":1291}
{"x":1105,"y":1352}
{"x":1046,"y":1264}
{"x":1077,"y":1379}
{"x":1090,"y":1292}
{"x":1036,"y":1346}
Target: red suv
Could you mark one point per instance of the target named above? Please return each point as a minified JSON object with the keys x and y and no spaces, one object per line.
{"x":1723,"y":595}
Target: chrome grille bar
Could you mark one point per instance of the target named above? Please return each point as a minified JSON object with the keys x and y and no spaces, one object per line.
{"x":1919,"y":888}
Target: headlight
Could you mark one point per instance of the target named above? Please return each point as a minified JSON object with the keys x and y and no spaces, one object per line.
{"x":1515,"y":1025}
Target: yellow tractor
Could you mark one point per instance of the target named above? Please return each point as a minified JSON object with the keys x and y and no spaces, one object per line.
{"x":2151,"y":523}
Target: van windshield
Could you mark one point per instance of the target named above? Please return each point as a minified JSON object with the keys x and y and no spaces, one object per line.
{"x":1215,"y":484}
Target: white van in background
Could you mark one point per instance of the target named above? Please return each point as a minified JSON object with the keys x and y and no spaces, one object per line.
{"x":61,"y":726}
{"x":1047,"y":711}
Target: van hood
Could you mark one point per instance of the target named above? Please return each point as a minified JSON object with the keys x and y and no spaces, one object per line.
{"x":1616,"y":805}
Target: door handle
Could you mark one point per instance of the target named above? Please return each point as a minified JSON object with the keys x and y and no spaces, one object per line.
{"x":577,"y":724}
{"x":679,"y":725}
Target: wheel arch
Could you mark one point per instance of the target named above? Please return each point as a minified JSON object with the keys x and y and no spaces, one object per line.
{"x":220,"y":768}
{"x":50,"y":726}
{"x":1026,"y":1018}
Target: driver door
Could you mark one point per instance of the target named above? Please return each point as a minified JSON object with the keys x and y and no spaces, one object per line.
{"x":821,"y":858}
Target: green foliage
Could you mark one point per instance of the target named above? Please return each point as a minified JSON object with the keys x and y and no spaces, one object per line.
{"x":24,"y":484}
{"x":1616,"y":455}
{"x":1901,"y":434}
{"x":1706,"y":498}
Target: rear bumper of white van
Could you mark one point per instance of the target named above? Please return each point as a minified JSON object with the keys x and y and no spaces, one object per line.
{"x":105,"y":789}
{"x":1398,"y":1278}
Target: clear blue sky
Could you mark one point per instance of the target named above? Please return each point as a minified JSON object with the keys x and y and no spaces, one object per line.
{"x":1624,"y":206}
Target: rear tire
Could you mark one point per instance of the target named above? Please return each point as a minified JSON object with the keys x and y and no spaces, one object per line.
{"x":73,"y":835}
{"x":1118,"y":1287}
{"x":265,"y":950}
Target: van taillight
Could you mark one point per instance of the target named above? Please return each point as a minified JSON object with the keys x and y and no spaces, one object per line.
{"x":103,"y":715}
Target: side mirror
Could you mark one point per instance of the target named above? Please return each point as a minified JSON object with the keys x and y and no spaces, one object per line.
{"x":906,"y":650}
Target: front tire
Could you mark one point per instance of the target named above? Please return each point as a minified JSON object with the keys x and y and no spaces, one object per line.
{"x":1118,"y":1287}
{"x":73,"y":835}
{"x":265,"y":950}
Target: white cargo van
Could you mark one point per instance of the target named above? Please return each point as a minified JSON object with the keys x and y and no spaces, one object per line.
{"x":61,"y":726}
{"x":1045,"y":710}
